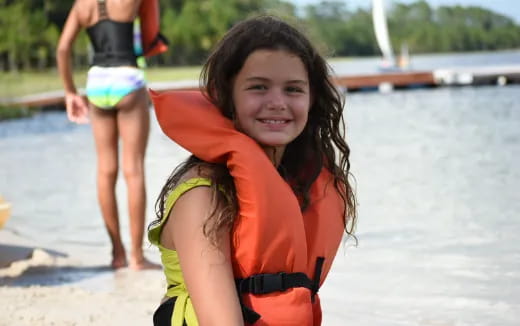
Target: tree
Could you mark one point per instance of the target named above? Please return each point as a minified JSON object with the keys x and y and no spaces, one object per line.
{"x":29,"y":29}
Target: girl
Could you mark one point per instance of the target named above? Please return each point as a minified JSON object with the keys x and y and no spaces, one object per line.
{"x":248,"y":225}
{"x":118,"y":109}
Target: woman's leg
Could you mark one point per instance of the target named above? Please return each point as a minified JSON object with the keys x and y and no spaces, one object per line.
{"x":133,"y":121}
{"x":104,"y":126}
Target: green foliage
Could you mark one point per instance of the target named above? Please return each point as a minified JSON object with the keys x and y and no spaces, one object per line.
{"x":26,"y":34}
{"x":7,"y":113}
{"x":29,"y":29}
{"x":345,"y":33}
{"x":194,"y":26}
{"x":454,"y":28}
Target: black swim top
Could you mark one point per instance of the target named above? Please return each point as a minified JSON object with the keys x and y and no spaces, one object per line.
{"x":113,"y":41}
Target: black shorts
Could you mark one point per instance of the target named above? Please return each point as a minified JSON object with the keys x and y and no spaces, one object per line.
{"x":163,"y":315}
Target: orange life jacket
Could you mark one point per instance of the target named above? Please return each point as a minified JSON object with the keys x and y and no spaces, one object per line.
{"x":270,"y":235}
{"x":152,"y":40}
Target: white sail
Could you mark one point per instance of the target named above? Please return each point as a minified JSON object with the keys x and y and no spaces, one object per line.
{"x":381,"y":30}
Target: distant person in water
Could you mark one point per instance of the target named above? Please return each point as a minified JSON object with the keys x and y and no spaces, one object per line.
{"x":117,"y":108}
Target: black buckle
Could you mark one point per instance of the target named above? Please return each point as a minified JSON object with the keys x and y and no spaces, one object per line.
{"x":267,"y":283}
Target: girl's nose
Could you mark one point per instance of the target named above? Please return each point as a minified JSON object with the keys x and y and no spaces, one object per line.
{"x":276,"y":100}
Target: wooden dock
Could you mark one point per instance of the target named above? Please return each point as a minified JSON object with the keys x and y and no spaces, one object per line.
{"x":384,"y":82}
{"x":403,"y":79}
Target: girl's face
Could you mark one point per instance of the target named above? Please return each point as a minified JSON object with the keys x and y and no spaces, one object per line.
{"x":272,"y":98}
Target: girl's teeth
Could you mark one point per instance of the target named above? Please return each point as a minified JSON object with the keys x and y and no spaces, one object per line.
{"x":273,"y":121}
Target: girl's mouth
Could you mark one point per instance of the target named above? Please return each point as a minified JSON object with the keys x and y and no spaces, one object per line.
{"x":273,"y":121}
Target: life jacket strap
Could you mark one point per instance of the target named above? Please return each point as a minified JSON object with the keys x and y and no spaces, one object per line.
{"x":268,"y":283}
{"x":158,"y":38}
{"x":250,"y":316}
{"x":317,"y":277}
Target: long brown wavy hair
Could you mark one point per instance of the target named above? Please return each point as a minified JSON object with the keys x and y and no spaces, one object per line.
{"x":321,"y":144}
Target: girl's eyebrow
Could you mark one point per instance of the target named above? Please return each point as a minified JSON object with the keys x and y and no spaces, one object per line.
{"x":263,"y":79}
{"x":298,"y":81}
{"x":255,"y":78}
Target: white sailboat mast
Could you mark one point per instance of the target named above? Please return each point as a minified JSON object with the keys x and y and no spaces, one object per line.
{"x":381,"y":30}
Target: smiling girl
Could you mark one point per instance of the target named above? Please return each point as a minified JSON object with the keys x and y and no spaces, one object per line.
{"x":248,"y":226}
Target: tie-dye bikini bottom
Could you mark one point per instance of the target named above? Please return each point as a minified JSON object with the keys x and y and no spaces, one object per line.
{"x":106,"y":86}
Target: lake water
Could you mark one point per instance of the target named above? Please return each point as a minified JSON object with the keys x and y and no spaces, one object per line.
{"x":430,"y":62}
{"x":437,"y":175}
{"x":439,"y":214}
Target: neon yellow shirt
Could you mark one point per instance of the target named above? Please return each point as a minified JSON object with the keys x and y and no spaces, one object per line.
{"x":183,"y":308}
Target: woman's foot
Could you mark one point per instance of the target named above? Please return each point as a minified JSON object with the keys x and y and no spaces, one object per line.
{"x":142,"y":264}
{"x":119,"y":258}
{"x":118,"y":263}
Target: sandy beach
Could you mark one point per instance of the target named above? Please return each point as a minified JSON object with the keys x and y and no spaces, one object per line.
{"x":75,"y":287}
{"x":54,"y":251}
{"x":42,"y":287}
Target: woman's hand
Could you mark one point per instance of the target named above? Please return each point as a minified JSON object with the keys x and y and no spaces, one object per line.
{"x":77,"y":108}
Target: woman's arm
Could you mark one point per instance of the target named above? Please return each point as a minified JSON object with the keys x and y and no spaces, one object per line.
{"x":206,"y":268}
{"x":77,"y":109}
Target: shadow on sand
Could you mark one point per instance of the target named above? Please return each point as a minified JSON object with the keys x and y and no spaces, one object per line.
{"x":42,"y":274}
{"x":10,"y":254}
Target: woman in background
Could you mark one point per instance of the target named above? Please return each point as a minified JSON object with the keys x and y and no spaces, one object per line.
{"x":117,"y":107}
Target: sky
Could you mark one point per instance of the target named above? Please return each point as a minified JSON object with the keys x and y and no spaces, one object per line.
{"x":510,"y":8}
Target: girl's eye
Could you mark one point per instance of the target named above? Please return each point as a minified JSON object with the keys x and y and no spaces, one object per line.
{"x":294,"y":89}
{"x":257,"y":87}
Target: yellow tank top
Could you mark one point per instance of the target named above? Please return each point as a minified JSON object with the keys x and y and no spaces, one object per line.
{"x":183,"y":309}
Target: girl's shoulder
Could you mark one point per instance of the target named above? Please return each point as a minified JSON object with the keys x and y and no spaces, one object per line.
{"x":194,"y":177}
{"x":201,"y":170}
